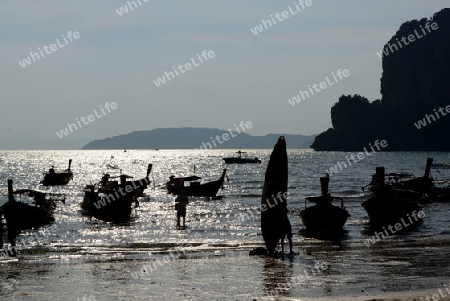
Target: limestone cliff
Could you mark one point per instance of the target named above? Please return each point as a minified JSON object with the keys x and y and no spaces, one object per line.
{"x":415,"y":82}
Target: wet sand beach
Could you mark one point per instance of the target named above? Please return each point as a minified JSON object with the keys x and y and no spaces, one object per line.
{"x":404,"y":272}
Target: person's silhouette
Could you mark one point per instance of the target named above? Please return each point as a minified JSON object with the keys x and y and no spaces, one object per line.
{"x":180,"y":205}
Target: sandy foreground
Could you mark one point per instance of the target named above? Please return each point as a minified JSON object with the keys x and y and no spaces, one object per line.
{"x":228,"y":275}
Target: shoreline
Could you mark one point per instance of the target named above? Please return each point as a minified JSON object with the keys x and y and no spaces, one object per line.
{"x":229,"y":275}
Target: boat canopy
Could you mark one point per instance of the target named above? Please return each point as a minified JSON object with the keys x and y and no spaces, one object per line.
{"x":34,"y":192}
{"x":30,"y":191}
{"x":185,"y":179}
{"x":399,"y":175}
{"x":124,"y":175}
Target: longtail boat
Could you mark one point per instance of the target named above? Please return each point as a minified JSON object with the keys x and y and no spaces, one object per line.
{"x":240,"y":160}
{"x":57,"y":177}
{"x":420,"y":184}
{"x":324,"y":219}
{"x":113,"y":203}
{"x":195,"y":188}
{"x":107,"y":182}
{"x":388,"y":207}
{"x":403,"y":181}
{"x":27,"y":215}
{"x":111,"y":200}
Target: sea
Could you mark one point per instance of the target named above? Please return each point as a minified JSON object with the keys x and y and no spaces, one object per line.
{"x":147,"y":258}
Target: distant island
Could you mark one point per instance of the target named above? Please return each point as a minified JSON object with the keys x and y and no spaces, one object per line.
{"x":411,"y":116}
{"x":196,"y":138}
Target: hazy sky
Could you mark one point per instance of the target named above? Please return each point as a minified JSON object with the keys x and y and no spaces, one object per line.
{"x":117,"y":58}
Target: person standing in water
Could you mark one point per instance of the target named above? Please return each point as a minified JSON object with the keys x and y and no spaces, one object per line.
{"x":180,"y":205}
{"x":287,"y":230}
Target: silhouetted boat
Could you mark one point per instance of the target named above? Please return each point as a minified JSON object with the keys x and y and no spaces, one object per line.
{"x":196,"y":188}
{"x":419,"y":184}
{"x":392,"y":181}
{"x":391,"y":206}
{"x":140,"y":185}
{"x":111,"y":200}
{"x":27,"y":215}
{"x":240,"y":160}
{"x":57,"y":177}
{"x":112,"y":203}
{"x":324,"y":219}
{"x":107,"y":182}
{"x":404,"y":181}
{"x":273,"y":200}
{"x":424,"y":188}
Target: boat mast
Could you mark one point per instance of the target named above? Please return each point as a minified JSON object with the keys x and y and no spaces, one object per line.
{"x":10,"y":191}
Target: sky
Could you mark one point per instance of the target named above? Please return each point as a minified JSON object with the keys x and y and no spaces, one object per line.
{"x":116,"y":59}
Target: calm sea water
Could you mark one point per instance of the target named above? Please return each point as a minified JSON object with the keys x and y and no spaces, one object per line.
{"x":211,"y":225}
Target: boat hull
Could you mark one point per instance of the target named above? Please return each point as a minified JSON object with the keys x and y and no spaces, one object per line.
{"x":420,"y":185}
{"x":273,"y":201}
{"x":208,"y":190}
{"x":324,"y":219}
{"x":57,"y":179}
{"x":139,"y":186}
{"x":384,"y":211}
{"x":21,"y":216}
{"x":107,"y":206}
{"x":241,"y":160}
